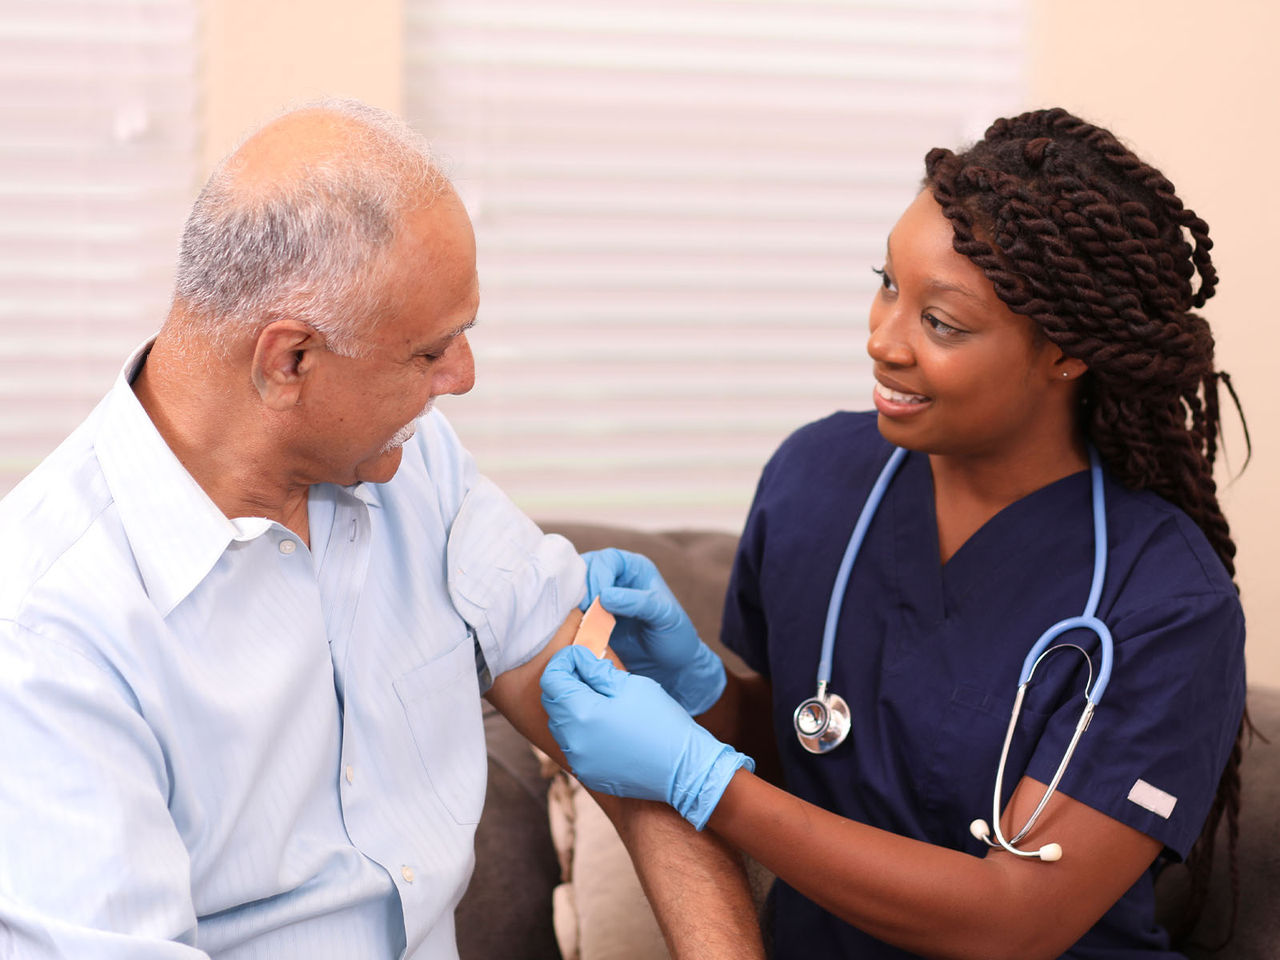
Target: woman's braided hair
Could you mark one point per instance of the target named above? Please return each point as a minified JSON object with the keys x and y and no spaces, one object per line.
{"x":1093,"y":244}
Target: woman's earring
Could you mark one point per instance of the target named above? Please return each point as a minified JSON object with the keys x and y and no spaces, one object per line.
{"x":1065,"y":373}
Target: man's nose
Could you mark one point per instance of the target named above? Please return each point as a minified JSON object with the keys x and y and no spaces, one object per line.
{"x":457,"y":371}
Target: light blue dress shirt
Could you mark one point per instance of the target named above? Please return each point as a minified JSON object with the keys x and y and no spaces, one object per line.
{"x":221,"y":743}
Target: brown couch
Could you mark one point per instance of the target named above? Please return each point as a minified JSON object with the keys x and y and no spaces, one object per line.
{"x":507,"y":910}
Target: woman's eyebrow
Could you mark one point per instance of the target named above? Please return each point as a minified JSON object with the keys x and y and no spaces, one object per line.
{"x":934,"y":284}
{"x":948,"y":286}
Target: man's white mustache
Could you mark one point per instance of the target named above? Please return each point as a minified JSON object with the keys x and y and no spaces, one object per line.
{"x":403,"y":435}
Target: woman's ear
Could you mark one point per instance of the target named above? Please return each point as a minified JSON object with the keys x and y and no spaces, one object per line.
{"x":1064,"y":368}
{"x":283,"y":356}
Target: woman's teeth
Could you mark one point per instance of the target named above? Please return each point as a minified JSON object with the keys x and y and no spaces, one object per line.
{"x":893,"y":396}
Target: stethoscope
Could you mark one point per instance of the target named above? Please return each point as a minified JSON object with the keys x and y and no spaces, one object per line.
{"x":822,"y":722}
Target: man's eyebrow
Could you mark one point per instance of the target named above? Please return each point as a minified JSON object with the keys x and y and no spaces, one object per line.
{"x":451,"y":335}
{"x":465,"y":327}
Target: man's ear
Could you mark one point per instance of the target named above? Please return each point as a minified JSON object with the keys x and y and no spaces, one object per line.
{"x":284,"y":355}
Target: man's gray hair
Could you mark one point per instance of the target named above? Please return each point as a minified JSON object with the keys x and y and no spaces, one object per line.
{"x":309,"y":247}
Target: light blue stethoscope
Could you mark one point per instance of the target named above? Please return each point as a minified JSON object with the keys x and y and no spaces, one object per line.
{"x":822,"y":722}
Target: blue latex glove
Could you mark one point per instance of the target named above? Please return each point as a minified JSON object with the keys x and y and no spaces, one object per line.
{"x":624,"y":736}
{"x":654,"y":637}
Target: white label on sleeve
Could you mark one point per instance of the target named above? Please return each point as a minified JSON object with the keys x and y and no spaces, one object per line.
{"x":1152,"y":798}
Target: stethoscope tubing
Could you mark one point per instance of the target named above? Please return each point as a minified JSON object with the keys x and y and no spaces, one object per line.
{"x":846,"y":564}
{"x":1087,"y":620}
{"x":823,"y":741}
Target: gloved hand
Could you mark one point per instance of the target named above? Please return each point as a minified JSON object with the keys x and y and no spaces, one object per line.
{"x":624,"y":736}
{"x":653,"y":635}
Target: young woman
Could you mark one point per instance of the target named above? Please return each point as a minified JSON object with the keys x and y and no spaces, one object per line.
{"x":1036,"y":313}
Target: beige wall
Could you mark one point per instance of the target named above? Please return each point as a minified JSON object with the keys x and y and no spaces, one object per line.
{"x":1197,"y":93}
{"x":259,"y":57}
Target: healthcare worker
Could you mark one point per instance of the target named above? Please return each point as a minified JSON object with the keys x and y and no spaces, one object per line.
{"x":1036,"y":311}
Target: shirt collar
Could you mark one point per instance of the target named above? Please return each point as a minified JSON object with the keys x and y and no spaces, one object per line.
{"x":175,"y":531}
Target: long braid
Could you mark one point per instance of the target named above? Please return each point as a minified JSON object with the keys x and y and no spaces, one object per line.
{"x":1094,"y":245}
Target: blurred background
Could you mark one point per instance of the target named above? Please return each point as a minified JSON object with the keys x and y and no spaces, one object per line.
{"x":677,"y":204}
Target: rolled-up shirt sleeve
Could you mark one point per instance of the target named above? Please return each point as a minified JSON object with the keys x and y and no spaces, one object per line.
{"x":511,"y":582}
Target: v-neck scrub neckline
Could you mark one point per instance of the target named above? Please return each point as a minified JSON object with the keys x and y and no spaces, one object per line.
{"x":997,"y":544}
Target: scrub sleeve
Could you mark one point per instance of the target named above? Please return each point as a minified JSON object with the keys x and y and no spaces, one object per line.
{"x":1159,"y":739}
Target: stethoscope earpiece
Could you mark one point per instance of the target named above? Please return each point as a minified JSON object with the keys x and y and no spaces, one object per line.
{"x":823,"y":721}
{"x":1048,"y":853}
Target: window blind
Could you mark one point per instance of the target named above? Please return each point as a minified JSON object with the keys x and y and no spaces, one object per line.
{"x":98,"y":155}
{"x":677,"y":205}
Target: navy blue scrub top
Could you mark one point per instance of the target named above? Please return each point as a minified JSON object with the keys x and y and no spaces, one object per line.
{"x":928,"y":656}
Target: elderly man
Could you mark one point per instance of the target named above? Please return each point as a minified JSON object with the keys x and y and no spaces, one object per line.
{"x":248,"y":609}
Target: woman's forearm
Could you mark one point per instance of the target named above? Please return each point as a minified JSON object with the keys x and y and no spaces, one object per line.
{"x":935,"y":901}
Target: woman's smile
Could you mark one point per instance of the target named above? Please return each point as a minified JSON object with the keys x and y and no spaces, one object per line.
{"x":893,"y":402}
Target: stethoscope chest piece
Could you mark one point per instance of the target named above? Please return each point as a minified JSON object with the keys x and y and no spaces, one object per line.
{"x":822,"y":722}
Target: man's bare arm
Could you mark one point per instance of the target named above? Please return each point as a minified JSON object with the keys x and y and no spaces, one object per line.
{"x":694,"y":881}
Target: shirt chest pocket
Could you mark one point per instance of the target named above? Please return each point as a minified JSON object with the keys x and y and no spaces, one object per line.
{"x":441,"y":701}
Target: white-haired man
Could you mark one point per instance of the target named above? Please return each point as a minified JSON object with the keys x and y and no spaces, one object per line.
{"x":247,"y":610}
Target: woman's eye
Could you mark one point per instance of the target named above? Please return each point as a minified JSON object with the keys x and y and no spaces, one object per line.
{"x":886,"y":282}
{"x":941,"y":327}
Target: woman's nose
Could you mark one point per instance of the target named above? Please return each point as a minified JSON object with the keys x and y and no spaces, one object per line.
{"x":887,"y":342}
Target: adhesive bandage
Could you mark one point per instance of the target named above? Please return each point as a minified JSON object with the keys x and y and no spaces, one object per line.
{"x":593,"y":631}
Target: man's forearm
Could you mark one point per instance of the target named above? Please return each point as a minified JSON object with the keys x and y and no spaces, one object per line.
{"x":694,"y":881}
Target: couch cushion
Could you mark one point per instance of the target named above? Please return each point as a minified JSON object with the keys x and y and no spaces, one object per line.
{"x":1257,"y":935}
{"x":506,"y":911}
{"x":600,"y":910}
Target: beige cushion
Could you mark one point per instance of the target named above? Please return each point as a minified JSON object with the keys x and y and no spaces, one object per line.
{"x":600,"y":911}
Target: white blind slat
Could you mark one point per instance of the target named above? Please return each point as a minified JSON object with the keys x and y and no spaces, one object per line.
{"x":676,"y":207}
{"x":98,"y":134}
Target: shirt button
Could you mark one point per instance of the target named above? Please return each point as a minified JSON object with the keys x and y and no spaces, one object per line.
{"x":407,"y":873}
{"x":288,"y":546}
{"x":351,"y":774}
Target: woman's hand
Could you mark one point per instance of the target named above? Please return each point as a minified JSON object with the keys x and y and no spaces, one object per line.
{"x":624,"y":736}
{"x":653,"y":636}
